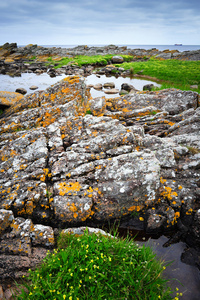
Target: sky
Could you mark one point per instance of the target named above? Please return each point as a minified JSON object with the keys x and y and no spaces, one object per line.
{"x":92,"y":22}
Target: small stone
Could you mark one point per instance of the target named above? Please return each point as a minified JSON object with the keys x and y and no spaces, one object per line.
{"x":98,"y":86}
{"x":33,"y":87}
{"x":111,"y":91}
{"x":42,"y":235}
{"x":127,"y":87}
{"x":194,"y":86}
{"x":109,"y":85}
{"x":21,"y":91}
{"x":148,"y":87}
{"x":89,"y":86}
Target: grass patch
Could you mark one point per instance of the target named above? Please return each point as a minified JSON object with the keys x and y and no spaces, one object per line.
{"x":98,"y":267}
{"x":176,"y":73}
{"x":193,"y":150}
{"x":81,"y":60}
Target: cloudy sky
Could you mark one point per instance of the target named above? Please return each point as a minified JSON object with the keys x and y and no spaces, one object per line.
{"x":92,"y":22}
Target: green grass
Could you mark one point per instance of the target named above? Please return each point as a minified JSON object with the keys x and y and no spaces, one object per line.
{"x":98,"y":267}
{"x":175,"y":73}
{"x":82,"y":60}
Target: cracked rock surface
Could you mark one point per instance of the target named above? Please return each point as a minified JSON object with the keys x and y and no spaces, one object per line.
{"x":68,"y":160}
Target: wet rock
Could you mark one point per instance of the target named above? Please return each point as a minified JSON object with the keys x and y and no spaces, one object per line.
{"x":155,"y":223}
{"x":127,"y":87}
{"x":191,"y":257}
{"x":21,"y":91}
{"x":111,"y":91}
{"x":148,"y":87}
{"x":98,"y":86}
{"x":33,"y":87}
{"x":109,"y":85}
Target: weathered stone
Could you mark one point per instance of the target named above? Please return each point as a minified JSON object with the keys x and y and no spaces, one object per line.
{"x":97,"y":106}
{"x":6,"y":218}
{"x":117,"y":59}
{"x":43,"y":236}
{"x":9,"y":98}
{"x":98,"y":86}
{"x":82,"y":230}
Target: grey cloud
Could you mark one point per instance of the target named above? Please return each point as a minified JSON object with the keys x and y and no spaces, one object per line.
{"x":87,"y":17}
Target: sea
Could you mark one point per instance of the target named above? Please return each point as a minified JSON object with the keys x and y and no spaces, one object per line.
{"x":178,"y":47}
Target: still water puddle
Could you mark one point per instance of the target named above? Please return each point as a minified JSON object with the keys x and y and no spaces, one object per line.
{"x":118,"y":81}
{"x":26,"y":80}
{"x":43,"y":81}
{"x":182,"y":276}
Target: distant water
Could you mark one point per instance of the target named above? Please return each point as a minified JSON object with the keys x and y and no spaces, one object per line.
{"x":146,"y":47}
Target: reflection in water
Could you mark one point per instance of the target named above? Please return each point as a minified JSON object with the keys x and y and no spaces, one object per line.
{"x":43,"y":81}
{"x":118,"y":81}
{"x":26,"y":80}
{"x":185,"y":277}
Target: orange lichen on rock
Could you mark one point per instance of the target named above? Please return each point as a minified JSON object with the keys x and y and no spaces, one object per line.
{"x":168,"y":193}
{"x":9,"y":98}
{"x":65,"y":188}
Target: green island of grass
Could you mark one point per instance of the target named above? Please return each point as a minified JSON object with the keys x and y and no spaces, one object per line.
{"x":172,"y":73}
{"x":98,"y":267}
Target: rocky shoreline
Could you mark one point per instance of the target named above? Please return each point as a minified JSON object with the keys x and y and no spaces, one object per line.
{"x":15,"y":60}
{"x":67,"y":159}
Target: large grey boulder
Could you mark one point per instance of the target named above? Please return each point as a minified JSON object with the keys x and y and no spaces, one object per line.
{"x":117,"y":59}
{"x":68,"y":160}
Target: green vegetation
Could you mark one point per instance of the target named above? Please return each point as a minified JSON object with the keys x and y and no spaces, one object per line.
{"x":88,"y":112}
{"x":1,"y":111}
{"x":153,"y":112}
{"x":81,"y":60}
{"x":98,"y":267}
{"x":193,"y":150}
{"x":175,"y":73}
{"x":172,"y":73}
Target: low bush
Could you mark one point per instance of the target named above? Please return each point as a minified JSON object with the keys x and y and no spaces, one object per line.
{"x":97,"y":267}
